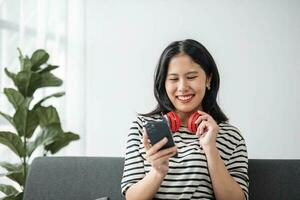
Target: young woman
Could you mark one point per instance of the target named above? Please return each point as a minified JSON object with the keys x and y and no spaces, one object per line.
{"x":211,"y":161}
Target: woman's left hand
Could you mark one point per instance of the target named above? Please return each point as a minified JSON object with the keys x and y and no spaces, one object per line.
{"x":207,"y":130}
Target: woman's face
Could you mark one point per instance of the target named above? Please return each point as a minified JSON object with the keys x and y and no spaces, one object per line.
{"x":185,"y":84}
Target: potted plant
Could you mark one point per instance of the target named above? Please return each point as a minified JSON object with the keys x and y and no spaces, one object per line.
{"x":35,"y":125}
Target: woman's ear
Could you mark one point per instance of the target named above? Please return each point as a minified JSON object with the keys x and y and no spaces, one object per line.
{"x":208,"y":80}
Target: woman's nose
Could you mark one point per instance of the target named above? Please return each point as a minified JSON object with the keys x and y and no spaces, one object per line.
{"x":183,"y":86}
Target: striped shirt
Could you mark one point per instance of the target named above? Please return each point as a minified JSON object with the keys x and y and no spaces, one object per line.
{"x":188,"y":176}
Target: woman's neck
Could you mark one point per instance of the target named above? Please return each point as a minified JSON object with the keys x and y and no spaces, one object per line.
{"x":184,"y":118}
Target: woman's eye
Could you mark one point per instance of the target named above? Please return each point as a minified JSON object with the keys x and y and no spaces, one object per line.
{"x":191,"y":77}
{"x":173,"y":79}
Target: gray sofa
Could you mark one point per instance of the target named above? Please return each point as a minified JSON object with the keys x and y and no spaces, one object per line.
{"x":91,"y":178}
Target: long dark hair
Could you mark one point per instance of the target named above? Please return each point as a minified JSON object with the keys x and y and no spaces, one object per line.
{"x":199,"y":55}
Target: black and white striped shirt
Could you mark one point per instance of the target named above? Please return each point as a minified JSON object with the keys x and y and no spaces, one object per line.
{"x":188,"y":176}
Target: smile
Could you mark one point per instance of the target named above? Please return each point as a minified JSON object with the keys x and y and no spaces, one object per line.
{"x":185,"y":98}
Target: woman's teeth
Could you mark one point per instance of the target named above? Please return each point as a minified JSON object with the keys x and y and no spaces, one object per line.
{"x":184,"y":98}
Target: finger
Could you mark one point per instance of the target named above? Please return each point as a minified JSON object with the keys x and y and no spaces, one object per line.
{"x":202,"y":112}
{"x":205,"y":117}
{"x":155,"y":148}
{"x":165,"y":152}
{"x":202,"y":136}
{"x":162,"y":161}
{"x":203,"y":127}
{"x":146,"y":139}
{"x":198,"y":132}
{"x":202,"y":118}
{"x":168,"y":156}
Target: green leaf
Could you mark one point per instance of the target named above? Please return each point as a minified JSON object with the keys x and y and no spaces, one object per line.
{"x":11,"y":167}
{"x":26,"y":121}
{"x":27,"y":65}
{"x":58,"y":94}
{"x":47,"y":69}
{"x":16,"y":197}
{"x":35,"y":83}
{"x":61,"y":141}
{"x":38,"y":58}
{"x":21,"y":57}
{"x":13,"y":142}
{"x":17,"y":176}
{"x":8,"y":190}
{"x":20,"y":119}
{"x":48,"y":80}
{"x":12,"y":197}
{"x":27,"y":102}
{"x":28,"y":82}
{"x":19,"y":196}
{"x":32,"y":123}
{"x":11,"y":75}
{"x":8,"y":118}
{"x":51,"y":128}
{"x":47,"y":136}
{"x":14,"y":97}
{"x":22,"y":82}
{"x":47,"y":115}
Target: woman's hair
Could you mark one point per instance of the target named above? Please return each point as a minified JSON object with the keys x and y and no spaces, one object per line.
{"x":200,"y":55}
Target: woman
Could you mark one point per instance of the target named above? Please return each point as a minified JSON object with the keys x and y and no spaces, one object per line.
{"x":212,"y":162}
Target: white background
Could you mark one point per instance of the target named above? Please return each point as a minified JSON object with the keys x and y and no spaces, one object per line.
{"x":256,"y":46}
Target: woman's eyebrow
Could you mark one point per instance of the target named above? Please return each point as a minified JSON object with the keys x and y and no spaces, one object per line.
{"x":191,"y":72}
{"x":188,"y":73}
{"x":172,"y":74}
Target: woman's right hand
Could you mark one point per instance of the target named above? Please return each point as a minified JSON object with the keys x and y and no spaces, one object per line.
{"x":159,"y":159}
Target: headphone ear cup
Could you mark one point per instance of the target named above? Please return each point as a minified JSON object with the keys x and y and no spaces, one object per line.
{"x":191,"y":122}
{"x":174,"y":121}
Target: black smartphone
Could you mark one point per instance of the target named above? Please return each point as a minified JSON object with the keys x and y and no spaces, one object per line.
{"x":157,"y":130}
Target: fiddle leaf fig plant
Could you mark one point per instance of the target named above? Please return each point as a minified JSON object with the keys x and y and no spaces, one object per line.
{"x":34,"y":125}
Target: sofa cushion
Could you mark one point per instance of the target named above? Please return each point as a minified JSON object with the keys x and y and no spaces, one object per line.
{"x":274,"y":179}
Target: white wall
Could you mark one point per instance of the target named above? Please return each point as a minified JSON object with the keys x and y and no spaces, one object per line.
{"x":256,"y":45}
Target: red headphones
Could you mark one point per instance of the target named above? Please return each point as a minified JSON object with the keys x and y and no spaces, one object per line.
{"x":174,"y":121}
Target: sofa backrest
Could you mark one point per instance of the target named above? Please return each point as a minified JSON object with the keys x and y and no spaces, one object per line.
{"x":74,"y":178}
{"x":90,"y":178}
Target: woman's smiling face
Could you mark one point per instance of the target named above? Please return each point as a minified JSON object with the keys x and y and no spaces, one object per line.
{"x":185,"y":84}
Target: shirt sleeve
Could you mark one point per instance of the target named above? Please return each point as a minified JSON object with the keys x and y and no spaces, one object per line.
{"x":238,"y":166}
{"x":134,"y":163}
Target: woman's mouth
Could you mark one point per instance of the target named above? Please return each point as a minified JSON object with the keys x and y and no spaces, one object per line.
{"x":185,"y":98}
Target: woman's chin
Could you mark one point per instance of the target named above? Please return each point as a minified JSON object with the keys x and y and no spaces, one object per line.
{"x":186,"y":111}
